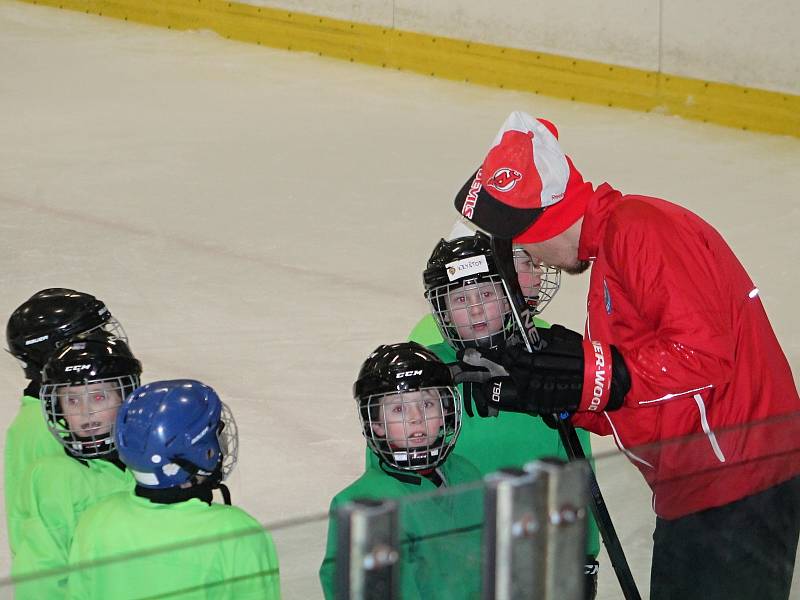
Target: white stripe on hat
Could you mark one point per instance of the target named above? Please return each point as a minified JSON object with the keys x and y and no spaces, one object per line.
{"x":461,"y":228}
{"x":549,"y":159}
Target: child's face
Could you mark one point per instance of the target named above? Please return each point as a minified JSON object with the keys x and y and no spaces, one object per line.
{"x":477,"y":310}
{"x":410,"y":420}
{"x":529,"y":273}
{"x":90,"y":410}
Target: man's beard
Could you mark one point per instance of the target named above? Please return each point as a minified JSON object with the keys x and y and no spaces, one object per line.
{"x":577,"y":268}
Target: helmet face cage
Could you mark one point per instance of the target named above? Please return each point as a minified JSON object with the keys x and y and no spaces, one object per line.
{"x":112,"y":327}
{"x":539,"y":282}
{"x":412,"y":430}
{"x":473,"y":312}
{"x":228,"y":438}
{"x":81,"y":416}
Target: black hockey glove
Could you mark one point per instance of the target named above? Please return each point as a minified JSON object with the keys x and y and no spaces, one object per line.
{"x":568,"y":374}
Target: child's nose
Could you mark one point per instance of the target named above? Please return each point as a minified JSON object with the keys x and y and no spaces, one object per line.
{"x":414,"y":412}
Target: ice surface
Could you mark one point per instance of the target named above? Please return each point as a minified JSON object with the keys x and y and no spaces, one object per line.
{"x":259,"y":220}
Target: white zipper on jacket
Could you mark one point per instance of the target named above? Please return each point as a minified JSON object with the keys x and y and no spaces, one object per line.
{"x":707,"y":430}
{"x":622,"y":447}
{"x":670,"y":396}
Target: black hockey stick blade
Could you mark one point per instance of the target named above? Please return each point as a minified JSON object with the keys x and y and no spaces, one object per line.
{"x":503,"y":251}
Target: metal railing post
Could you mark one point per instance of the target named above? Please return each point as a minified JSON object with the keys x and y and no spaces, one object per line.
{"x":368,"y":553}
{"x":565,"y":525}
{"x":514,"y":544}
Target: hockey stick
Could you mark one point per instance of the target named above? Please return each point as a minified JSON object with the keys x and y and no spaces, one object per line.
{"x":504,"y":260}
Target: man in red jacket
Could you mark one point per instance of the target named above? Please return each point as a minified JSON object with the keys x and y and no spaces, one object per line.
{"x":679,"y":363}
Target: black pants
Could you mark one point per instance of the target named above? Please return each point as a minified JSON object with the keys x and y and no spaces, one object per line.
{"x":744,"y":550}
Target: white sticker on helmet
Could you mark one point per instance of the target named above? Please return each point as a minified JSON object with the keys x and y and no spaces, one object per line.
{"x":145,"y":478}
{"x":465,"y":267}
{"x":170,"y":469}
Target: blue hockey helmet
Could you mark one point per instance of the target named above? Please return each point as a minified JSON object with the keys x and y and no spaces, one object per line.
{"x":168,"y":432}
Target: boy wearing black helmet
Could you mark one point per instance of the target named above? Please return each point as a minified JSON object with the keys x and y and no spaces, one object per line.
{"x":34,"y":331}
{"x":411,"y":415}
{"x":470,"y":308}
{"x":83,"y":385}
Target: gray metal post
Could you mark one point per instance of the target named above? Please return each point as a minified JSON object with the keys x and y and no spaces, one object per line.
{"x":367,"y":551}
{"x":514,"y":542}
{"x":565,"y":526}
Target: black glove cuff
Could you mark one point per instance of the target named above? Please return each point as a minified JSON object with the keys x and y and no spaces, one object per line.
{"x":620,"y":380}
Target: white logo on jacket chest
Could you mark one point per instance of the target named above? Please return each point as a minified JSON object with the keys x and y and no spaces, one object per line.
{"x":606,"y":297}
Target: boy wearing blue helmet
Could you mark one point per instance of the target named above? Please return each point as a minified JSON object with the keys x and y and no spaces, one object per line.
{"x":83,"y":385}
{"x":180,"y":442}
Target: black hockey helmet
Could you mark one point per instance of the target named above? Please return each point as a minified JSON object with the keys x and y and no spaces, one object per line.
{"x":444,"y":264}
{"x":83,"y":385}
{"x":481,"y":316}
{"x":409,"y":406}
{"x":48,"y":319}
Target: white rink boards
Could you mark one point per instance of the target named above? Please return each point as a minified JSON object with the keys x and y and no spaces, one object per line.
{"x":259,"y":220}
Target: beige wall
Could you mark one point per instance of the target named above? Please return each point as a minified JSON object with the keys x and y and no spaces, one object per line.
{"x":744,"y":42}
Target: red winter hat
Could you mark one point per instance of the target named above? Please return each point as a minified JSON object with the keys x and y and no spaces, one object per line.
{"x":519,"y":192}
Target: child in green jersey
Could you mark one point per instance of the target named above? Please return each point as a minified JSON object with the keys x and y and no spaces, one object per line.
{"x":83,"y":385}
{"x":165,"y":537}
{"x":470,"y":308}
{"x":411,"y":416}
{"x":36,"y":328}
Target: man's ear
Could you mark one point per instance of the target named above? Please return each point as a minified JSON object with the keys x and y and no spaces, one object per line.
{"x":378,"y":429}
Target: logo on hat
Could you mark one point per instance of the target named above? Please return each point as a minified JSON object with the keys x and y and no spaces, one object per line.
{"x":504,"y":179}
{"x":472,"y":195}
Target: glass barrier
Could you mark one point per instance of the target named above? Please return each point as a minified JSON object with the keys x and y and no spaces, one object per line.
{"x":273,"y":561}
{"x":753,"y":472}
{"x":440,"y":540}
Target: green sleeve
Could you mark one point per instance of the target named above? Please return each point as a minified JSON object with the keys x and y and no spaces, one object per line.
{"x":46,"y":526}
{"x":27,"y":440}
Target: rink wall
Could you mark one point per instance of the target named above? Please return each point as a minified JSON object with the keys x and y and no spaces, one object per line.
{"x":736,"y":67}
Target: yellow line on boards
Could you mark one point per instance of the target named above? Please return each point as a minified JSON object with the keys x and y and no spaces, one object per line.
{"x":547,"y":74}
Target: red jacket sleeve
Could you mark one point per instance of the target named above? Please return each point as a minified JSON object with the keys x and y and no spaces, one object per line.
{"x":677,"y":336}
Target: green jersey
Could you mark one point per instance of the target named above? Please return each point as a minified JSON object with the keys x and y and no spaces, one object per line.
{"x":53,"y":494}
{"x":27,"y":440}
{"x":187,"y":550}
{"x":440,"y":531}
{"x":508,"y":440}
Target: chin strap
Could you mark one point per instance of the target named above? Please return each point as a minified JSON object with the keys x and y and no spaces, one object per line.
{"x":403,"y":477}
{"x":226,"y":493}
{"x":174,"y":495}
